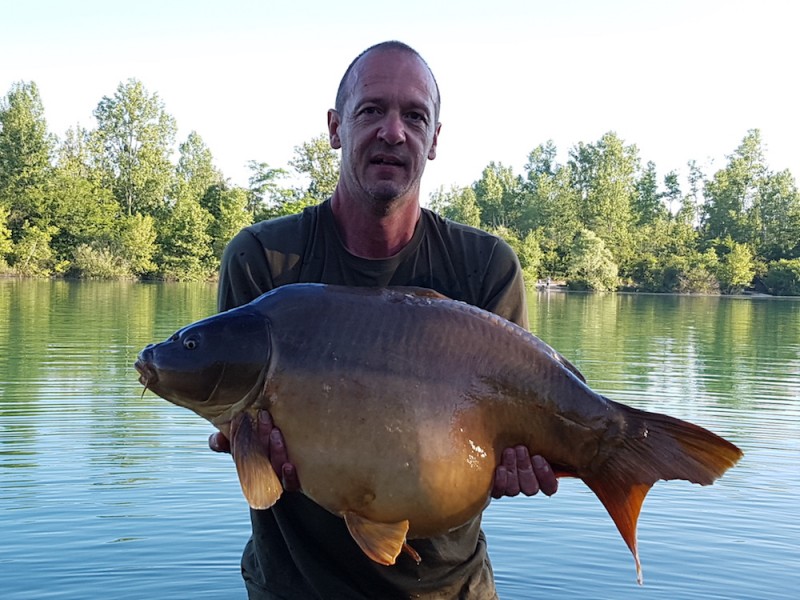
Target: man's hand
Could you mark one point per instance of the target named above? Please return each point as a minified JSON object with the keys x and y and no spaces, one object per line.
{"x":518,"y":472}
{"x":272,"y":444}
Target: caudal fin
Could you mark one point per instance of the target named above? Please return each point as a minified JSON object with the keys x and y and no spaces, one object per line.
{"x":653,"y":447}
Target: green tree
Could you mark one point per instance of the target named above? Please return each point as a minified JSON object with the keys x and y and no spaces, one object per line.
{"x":32,"y":254}
{"x":26,"y":151}
{"x":316,"y":161}
{"x":6,"y":245}
{"x":647,"y":206}
{"x":783,"y":277}
{"x":542,"y":161}
{"x":672,"y":194}
{"x":229,"y":210}
{"x":457,"y":204}
{"x":195,"y":172}
{"x":778,"y":235}
{"x":551,"y":208}
{"x":604,"y":176}
{"x":75,"y":156}
{"x":498,"y":194}
{"x":135,"y":240}
{"x":85,"y":213}
{"x":185,"y":242}
{"x":735,"y":270}
{"x":731,"y":197}
{"x":132,"y":143}
{"x":591,"y":265}
{"x":265,"y":194}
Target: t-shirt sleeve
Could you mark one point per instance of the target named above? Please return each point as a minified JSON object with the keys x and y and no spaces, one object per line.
{"x":505,"y":287}
{"x":244,"y":273}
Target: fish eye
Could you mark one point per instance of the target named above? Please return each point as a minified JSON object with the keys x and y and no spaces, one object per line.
{"x":190,"y":343}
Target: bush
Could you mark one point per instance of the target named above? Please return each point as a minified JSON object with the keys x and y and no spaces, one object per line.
{"x":98,"y":263}
{"x":591,"y":266}
{"x":783,"y":277}
{"x":736,"y":268}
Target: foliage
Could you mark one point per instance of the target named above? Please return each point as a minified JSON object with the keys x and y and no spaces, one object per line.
{"x":457,"y":204}
{"x":185,"y":243}
{"x":497,"y":194}
{"x":195,"y":172}
{"x":319,"y":164}
{"x":783,"y":277}
{"x":778,"y":233}
{"x":265,"y":193}
{"x":108,"y":201}
{"x":135,"y":240}
{"x":132,"y":145}
{"x":26,"y":149}
{"x":603,"y":174}
{"x":730,"y":194}
{"x":5,"y":234}
{"x":229,"y":209}
{"x":591,"y":265}
{"x":32,"y":254}
{"x":735,"y":270}
{"x":93,"y":261}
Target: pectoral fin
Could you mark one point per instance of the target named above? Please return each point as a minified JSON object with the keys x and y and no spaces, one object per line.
{"x":260,"y":484}
{"x":382,"y":542}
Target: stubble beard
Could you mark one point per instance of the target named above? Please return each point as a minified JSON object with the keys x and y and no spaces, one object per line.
{"x":385,"y":196}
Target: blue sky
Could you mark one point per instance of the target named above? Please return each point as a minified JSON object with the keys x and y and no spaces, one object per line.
{"x":680,"y":79}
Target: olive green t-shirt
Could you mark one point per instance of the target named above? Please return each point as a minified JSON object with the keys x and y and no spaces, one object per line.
{"x":298,"y":550}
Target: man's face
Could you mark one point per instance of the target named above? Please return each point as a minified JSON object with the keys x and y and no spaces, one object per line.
{"x":388,"y":128}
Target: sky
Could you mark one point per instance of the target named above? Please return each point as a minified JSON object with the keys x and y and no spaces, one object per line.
{"x":682,"y":80}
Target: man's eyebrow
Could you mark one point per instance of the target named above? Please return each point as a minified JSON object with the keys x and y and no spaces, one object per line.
{"x":420,"y":105}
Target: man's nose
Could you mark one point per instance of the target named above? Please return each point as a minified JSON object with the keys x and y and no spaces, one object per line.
{"x":392,"y":130}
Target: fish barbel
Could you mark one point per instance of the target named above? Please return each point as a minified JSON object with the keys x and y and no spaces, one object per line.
{"x":396,"y":404}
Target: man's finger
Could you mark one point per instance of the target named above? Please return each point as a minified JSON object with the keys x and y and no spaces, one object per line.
{"x":219,"y":443}
{"x":528,"y":483}
{"x":548,"y":482}
{"x":512,"y":478}
{"x":264,"y":428}
{"x":500,"y":480}
{"x":277,"y":450}
{"x":291,"y":483}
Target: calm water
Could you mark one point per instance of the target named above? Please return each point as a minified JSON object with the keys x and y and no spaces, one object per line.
{"x":105,"y":494}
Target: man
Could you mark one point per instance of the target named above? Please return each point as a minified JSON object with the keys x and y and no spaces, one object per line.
{"x":373,"y":232}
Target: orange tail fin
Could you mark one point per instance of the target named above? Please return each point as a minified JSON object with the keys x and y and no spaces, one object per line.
{"x":653,"y":447}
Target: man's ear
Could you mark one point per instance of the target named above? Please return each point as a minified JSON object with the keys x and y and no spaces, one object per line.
{"x":334,"y":120}
{"x":432,"y":150}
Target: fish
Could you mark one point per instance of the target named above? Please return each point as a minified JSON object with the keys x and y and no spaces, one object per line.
{"x":396,"y":403}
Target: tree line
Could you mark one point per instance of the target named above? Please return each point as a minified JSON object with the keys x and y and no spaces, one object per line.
{"x":110,"y":202}
{"x":603,"y":221}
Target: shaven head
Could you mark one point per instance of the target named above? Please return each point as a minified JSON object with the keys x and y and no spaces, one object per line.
{"x":343,"y":92}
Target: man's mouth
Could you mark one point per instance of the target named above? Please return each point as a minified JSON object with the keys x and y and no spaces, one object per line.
{"x":391,"y":161}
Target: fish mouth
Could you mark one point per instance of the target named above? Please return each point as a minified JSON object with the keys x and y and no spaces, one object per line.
{"x":147,"y":374}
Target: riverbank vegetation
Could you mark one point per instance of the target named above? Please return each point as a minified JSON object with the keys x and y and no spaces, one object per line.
{"x":113,"y":202}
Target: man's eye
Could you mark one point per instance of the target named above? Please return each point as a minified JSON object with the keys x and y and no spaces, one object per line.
{"x":415,"y":116}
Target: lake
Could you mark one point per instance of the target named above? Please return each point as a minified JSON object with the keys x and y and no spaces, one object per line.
{"x":105,"y":493}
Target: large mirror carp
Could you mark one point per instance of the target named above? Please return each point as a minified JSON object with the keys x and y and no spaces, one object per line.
{"x":396,"y":403}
